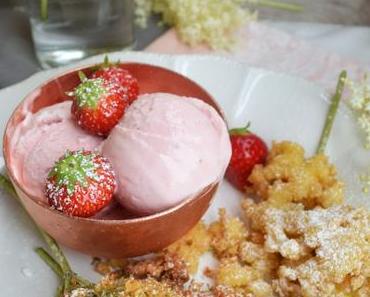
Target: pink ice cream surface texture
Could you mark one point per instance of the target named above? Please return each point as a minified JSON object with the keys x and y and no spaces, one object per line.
{"x":41,"y":139}
{"x":165,"y":149}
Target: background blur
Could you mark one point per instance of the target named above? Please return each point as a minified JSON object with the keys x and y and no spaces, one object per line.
{"x":17,"y":59}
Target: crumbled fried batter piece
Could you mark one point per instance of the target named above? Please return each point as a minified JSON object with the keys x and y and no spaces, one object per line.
{"x":265,"y":264}
{"x":227,"y":235}
{"x":326,"y":251}
{"x":244,"y":266}
{"x":223,"y":291}
{"x":167,"y":267}
{"x":163,"y":267}
{"x":243,"y":279}
{"x":288,"y":177}
{"x":105,"y":266}
{"x":233,"y":274}
{"x":114,"y":285}
{"x":268,"y":220}
{"x":192,"y":246}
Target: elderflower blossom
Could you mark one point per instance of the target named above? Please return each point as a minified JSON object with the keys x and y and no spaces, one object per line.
{"x":359,"y":103}
{"x":211,"y":22}
{"x":142,"y":12}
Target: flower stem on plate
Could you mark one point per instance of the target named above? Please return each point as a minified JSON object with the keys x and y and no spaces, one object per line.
{"x":59,"y":292}
{"x":280,"y":5}
{"x":335,"y":100}
{"x":44,"y":9}
{"x":7,"y":185}
{"x":49,"y":260}
{"x":57,"y":262}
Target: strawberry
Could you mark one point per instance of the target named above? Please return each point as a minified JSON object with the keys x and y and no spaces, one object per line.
{"x":129,"y":87}
{"x":97,"y":105}
{"x":80,"y":184}
{"x":247,"y":150}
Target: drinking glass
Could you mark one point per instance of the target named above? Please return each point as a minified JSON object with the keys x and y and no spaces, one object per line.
{"x":69,"y":30}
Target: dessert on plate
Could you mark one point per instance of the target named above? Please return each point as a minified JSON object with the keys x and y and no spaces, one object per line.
{"x":163,"y":148}
{"x":157,"y":154}
{"x":95,"y":160}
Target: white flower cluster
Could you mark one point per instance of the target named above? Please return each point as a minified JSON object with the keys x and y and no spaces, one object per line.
{"x":143,"y":10}
{"x":210,"y":22}
{"x":359,"y":103}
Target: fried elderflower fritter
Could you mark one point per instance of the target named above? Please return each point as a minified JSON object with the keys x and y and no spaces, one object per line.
{"x":299,"y":241}
{"x":288,"y":177}
{"x":244,"y":266}
{"x":326,"y":252}
{"x":227,"y":235}
{"x":192,"y":246}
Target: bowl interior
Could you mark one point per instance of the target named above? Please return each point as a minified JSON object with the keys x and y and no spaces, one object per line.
{"x":151,"y":79}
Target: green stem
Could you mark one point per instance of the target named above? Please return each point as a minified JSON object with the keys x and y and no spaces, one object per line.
{"x":280,"y":5}
{"x":44,"y":9}
{"x":59,"y":257}
{"x":7,"y":185}
{"x":57,"y":252}
{"x":60,"y":291}
{"x":54,"y":265}
{"x":67,"y":282}
{"x":83,"y":281}
{"x":335,"y":100}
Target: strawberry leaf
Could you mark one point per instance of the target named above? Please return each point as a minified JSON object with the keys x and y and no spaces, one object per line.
{"x":74,"y":168}
{"x":89,"y":91}
{"x":240,"y":131}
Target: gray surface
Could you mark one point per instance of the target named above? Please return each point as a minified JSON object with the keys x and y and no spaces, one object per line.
{"x":343,"y":12}
{"x":17,"y":58}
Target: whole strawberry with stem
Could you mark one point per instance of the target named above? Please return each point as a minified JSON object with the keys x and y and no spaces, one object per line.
{"x":81,"y":183}
{"x":248,"y":150}
{"x":112,"y":72}
{"x":98,"y":105}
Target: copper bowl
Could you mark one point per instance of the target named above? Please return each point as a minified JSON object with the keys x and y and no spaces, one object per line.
{"x":119,"y":234}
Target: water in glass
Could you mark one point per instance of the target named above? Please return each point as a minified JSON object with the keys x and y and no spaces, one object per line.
{"x":75,"y":29}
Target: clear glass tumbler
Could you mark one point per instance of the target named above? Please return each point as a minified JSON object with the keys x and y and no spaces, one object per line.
{"x":69,"y":30}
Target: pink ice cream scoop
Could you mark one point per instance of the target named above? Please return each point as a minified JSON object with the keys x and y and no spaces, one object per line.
{"x":165,"y":149}
{"x":41,"y":139}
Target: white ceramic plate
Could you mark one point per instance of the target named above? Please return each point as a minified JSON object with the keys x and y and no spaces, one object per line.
{"x":279,"y":107}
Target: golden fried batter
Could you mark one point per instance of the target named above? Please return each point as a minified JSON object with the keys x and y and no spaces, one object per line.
{"x":111,"y":285}
{"x":300,"y":241}
{"x":192,"y":246}
{"x":227,"y":235}
{"x":325,"y":251}
{"x":289,"y":177}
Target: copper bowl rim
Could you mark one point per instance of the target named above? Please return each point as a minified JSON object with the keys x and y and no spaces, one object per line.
{"x":170,"y":210}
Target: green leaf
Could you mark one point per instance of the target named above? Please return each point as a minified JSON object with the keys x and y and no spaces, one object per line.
{"x":240,"y":131}
{"x":74,"y":168}
{"x":89,"y":92}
